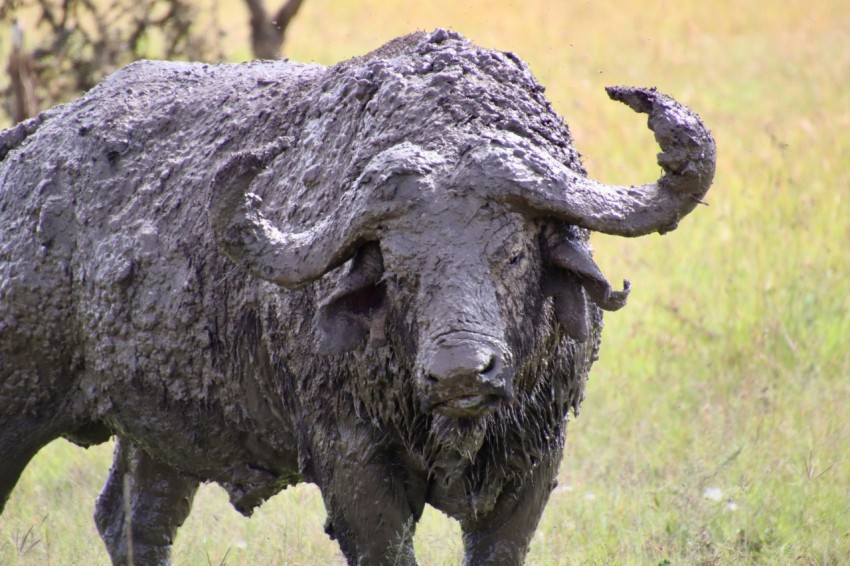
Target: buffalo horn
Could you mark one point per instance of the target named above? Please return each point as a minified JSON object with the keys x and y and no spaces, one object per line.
{"x":540,"y":185}
{"x":295,"y":258}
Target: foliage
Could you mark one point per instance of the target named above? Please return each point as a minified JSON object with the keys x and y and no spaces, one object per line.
{"x":82,"y":41}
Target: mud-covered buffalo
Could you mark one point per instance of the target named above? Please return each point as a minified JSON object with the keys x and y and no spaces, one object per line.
{"x":374,"y":277}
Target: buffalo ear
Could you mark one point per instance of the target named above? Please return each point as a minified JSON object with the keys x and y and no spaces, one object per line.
{"x":571,"y":278}
{"x":574,"y":256}
{"x":344,"y":320}
{"x":570,"y":303}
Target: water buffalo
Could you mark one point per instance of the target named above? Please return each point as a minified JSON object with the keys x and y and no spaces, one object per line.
{"x":374,"y":277}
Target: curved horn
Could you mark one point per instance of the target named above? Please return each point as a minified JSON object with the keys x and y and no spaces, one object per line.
{"x":543,"y":186}
{"x":295,"y":258}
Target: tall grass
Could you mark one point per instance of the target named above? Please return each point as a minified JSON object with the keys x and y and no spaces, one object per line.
{"x":716,"y":428}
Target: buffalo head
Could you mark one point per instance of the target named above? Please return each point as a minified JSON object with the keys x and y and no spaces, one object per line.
{"x":465,"y":249}
{"x":440,"y":170}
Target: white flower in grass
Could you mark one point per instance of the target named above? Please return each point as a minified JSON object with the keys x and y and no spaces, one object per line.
{"x":713,"y":494}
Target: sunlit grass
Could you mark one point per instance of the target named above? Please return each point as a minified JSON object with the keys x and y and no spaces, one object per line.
{"x":715,"y":428}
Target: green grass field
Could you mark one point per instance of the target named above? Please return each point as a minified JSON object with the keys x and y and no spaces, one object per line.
{"x":717,"y":424}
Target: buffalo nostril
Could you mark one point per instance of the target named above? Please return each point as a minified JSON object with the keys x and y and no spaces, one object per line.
{"x":489,"y":366}
{"x":429,"y":378}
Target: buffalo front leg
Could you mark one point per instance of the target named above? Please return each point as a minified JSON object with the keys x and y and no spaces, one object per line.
{"x":503,"y":535}
{"x":372,"y":506}
{"x":141,"y":506}
{"x":21,"y":437}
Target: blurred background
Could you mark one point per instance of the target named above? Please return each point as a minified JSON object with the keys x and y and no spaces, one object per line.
{"x":716,"y":427}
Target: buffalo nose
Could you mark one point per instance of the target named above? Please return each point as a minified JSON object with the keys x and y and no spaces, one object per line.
{"x":465,"y":362}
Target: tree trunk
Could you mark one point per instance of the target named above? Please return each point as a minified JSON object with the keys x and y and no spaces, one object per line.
{"x":268,"y":32}
{"x":22,"y":80}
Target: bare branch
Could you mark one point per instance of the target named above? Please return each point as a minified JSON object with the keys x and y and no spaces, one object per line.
{"x":286,"y":13}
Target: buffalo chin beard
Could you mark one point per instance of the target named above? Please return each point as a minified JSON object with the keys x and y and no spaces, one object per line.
{"x":450,"y":438}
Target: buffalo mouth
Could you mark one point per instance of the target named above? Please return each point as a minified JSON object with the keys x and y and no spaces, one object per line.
{"x":470,"y":406}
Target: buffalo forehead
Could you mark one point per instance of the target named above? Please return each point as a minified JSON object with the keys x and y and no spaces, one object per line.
{"x":455,"y":225}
